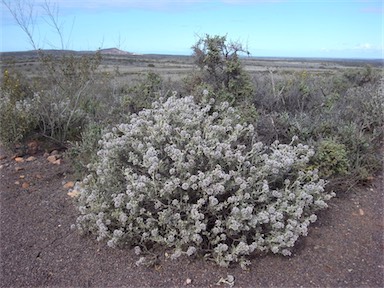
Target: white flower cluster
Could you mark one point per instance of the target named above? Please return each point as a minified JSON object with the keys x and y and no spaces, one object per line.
{"x":17,"y":117}
{"x":191,"y":177}
{"x":23,"y":106}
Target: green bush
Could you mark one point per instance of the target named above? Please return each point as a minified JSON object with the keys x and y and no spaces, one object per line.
{"x":83,"y":152}
{"x":193,"y":178}
{"x":331,"y":159}
{"x":63,"y":95}
{"x":141,"y":95}
{"x":221,"y":69}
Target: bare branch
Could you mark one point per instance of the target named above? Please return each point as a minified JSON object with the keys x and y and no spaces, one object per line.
{"x":25,"y":16}
{"x":52,"y":13}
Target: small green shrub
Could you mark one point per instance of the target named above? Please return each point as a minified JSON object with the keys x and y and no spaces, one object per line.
{"x":192,"y":178}
{"x":221,"y":68}
{"x":363,"y":149}
{"x":331,"y":159}
{"x":60,"y":117}
{"x":361,"y":76}
{"x":63,"y":95}
{"x":141,"y":95}
{"x":83,"y":152}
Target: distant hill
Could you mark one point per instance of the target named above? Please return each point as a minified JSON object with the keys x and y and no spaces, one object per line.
{"x":114,"y":51}
{"x":109,"y":51}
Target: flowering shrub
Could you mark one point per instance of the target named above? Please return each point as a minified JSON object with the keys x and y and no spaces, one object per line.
{"x":60,"y":117}
{"x":17,"y":119}
{"x":189,"y":176}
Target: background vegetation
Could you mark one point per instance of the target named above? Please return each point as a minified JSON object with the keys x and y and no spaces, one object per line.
{"x":67,"y":99}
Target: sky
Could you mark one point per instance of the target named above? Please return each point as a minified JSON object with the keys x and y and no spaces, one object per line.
{"x":275,"y":28}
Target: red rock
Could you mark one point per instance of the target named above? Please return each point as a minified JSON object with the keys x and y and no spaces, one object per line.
{"x":51,"y":159}
{"x":25,"y":185}
{"x":19,"y":159}
{"x":69,"y":185}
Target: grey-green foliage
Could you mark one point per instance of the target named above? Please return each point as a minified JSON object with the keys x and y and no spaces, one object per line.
{"x":62,"y":98}
{"x":347,"y":108}
{"x":141,"y":95}
{"x":17,"y":119}
{"x":83,"y":152}
{"x":191,"y":177}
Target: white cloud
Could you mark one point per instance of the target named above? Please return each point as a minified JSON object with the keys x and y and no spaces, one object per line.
{"x":364,"y":46}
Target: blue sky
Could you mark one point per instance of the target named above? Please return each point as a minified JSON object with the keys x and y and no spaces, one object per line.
{"x":285,"y":28}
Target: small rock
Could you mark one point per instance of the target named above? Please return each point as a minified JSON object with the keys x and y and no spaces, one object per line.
{"x":25,"y":185}
{"x":52,"y":159}
{"x":361,"y":212}
{"x":188,"y":281}
{"x":230,"y":278}
{"x":30,"y":159}
{"x":19,"y":159}
{"x":69,"y":185}
{"x":73,"y":193}
{"x":22,"y":176}
{"x":17,"y":182}
{"x":38,"y":176}
{"x":18,"y":168}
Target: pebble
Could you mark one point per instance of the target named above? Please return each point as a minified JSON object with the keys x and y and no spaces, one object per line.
{"x":68,"y":185}
{"x":25,"y":185}
{"x":30,"y":159}
{"x":73,"y":193}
